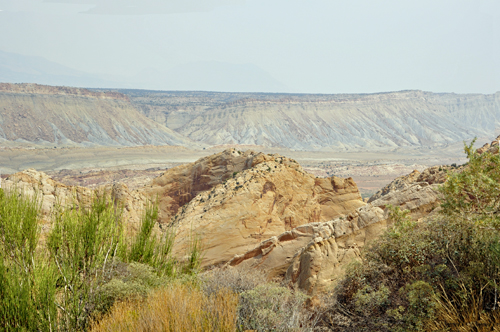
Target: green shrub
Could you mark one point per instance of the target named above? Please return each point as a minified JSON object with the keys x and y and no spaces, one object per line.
{"x":269,"y":307}
{"x":82,"y":245}
{"x":27,"y":281}
{"x":369,"y":301}
{"x":421,"y":307}
{"x":441,"y":272}
{"x":129,"y":282}
{"x":143,"y":247}
{"x":473,"y":193}
{"x":405,"y":245}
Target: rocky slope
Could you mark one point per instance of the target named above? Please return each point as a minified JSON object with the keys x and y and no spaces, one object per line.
{"x":53,"y":116}
{"x":256,"y":210}
{"x":314,"y":256}
{"x":233,"y":200}
{"x":312,"y":122}
{"x":431,"y":175}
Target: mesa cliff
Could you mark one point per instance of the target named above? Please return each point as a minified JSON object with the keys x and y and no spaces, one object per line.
{"x":342,"y":122}
{"x":61,"y":116}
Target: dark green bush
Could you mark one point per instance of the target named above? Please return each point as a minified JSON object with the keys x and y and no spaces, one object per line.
{"x":439,"y":270}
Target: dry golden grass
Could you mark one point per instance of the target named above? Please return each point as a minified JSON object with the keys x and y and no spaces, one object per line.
{"x":464,"y":314}
{"x":177,"y":307}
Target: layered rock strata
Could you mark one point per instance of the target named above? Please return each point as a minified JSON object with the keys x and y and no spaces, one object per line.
{"x":270,"y":195}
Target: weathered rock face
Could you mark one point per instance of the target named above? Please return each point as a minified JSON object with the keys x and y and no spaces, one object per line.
{"x":51,"y":194}
{"x":179,"y":185}
{"x":311,"y":122}
{"x":399,"y":183}
{"x":431,"y":175}
{"x":313,"y":256}
{"x":273,"y":196}
{"x":54,"y":116}
{"x":492,"y":147}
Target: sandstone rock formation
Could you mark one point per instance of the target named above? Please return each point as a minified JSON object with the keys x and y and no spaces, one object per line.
{"x":399,"y":183}
{"x":492,"y":147}
{"x":313,"y":256}
{"x":431,"y":175}
{"x":52,"y":194}
{"x":271,"y":194}
{"x":179,"y":185}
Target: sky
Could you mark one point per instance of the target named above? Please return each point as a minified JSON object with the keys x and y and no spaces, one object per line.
{"x":315,"y":46}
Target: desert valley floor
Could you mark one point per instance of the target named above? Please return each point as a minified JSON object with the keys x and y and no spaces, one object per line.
{"x":136,"y":166}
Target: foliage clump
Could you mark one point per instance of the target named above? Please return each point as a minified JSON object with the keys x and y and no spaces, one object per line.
{"x":83,"y":266}
{"x":439,"y":274}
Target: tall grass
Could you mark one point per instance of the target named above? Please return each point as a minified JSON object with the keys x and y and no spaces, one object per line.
{"x":148,"y":248}
{"x":178,"y":307}
{"x":464,"y":313}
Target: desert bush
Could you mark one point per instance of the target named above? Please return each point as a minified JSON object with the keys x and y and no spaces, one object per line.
{"x":473,"y":194}
{"x":237,"y":280}
{"x":263,"y":305}
{"x":84,"y":266}
{"x":437,"y":274}
{"x":368,"y":300}
{"x":127,"y":282}
{"x":177,"y":307}
{"x":82,"y":245}
{"x":270,"y":307}
{"x":148,"y":248}
{"x":27,"y":281}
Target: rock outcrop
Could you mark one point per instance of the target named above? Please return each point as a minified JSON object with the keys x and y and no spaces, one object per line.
{"x":269,"y":195}
{"x":399,"y":183}
{"x":179,"y":185}
{"x":52,"y":194}
{"x":313,"y":256}
{"x":492,"y":147}
{"x":431,"y":175}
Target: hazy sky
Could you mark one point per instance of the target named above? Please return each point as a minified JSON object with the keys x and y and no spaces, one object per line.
{"x":325,"y":46}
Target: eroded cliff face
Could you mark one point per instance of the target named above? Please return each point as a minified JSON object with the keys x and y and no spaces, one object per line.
{"x":271,"y":194}
{"x":312,"y":122}
{"x":54,"y":116}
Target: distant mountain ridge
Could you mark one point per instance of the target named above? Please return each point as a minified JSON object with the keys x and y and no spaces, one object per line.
{"x":62,"y":116}
{"x":343,"y":122}
{"x":18,"y":68}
